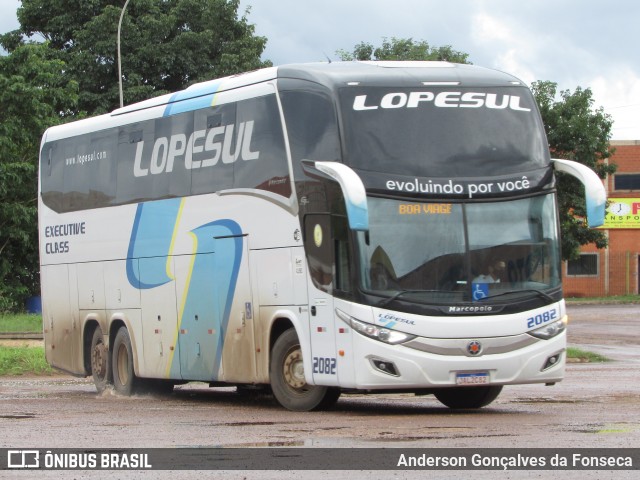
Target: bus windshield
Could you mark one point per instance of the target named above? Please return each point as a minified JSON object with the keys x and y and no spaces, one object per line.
{"x":443,"y":132}
{"x":457,"y":252}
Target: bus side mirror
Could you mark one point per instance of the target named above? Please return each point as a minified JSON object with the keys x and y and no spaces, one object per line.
{"x":355,"y":195}
{"x":595,"y":194}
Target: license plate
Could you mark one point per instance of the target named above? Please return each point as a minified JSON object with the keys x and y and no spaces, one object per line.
{"x":474,"y":378}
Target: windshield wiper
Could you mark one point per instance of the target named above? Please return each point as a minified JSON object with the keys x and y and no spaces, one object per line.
{"x":540,"y":293}
{"x":387,"y":301}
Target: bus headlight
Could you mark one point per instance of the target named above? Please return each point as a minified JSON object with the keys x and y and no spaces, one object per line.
{"x":382,"y":334}
{"x":550,"y":330}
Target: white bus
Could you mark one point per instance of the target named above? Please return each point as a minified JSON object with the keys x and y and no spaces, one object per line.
{"x":319,"y":229}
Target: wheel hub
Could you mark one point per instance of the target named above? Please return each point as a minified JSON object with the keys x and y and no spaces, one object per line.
{"x":294,"y":370}
{"x":99,"y":359}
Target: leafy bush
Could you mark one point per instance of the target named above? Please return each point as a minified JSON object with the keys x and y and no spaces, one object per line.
{"x":23,"y":360}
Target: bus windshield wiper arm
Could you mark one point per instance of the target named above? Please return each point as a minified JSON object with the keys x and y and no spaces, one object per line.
{"x":397,"y":295}
{"x":540,"y":293}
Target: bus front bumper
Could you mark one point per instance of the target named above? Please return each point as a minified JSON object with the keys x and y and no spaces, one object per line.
{"x":379,"y":365}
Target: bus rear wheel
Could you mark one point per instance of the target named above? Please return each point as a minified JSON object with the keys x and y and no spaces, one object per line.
{"x":100,"y":363}
{"x":288,"y":383}
{"x":468,"y":397}
{"x":124,"y":378}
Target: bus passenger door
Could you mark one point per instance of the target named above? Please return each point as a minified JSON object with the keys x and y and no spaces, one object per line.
{"x":207,"y":309}
{"x":159,"y":320}
{"x":320,"y":257}
{"x":238,"y":346}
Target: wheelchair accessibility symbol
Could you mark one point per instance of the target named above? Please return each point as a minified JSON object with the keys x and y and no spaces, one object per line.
{"x":480,"y":291}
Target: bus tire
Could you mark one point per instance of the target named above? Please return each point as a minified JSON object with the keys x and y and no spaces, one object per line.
{"x":468,"y":397}
{"x":100,"y":361}
{"x":124,"y":377}
{"x":286,"y":373}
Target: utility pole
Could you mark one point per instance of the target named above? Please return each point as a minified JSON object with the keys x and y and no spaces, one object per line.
{"x":119,"y":63}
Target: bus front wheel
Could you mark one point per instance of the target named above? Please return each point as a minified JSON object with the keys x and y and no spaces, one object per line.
{"x":100,"y":364}
{"x":468,"y":397}
{"x":124,"y":378}
{"x":287,"y":378}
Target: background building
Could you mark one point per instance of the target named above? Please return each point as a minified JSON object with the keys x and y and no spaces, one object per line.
{"x":613,"y":271}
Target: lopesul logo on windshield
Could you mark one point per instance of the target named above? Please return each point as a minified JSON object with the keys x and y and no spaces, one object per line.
{"x":441,"y":100}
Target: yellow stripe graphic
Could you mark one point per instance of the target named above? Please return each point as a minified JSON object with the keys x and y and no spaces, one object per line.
{"x":168,"y":266}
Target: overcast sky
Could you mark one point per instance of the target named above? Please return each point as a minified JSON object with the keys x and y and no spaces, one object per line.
{"x":587,"y":43}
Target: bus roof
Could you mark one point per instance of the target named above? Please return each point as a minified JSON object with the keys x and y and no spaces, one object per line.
{"x":330,"y":74}
{"x":403,"y":73}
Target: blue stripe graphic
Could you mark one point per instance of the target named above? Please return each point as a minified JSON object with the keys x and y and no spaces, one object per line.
{"x":192,"y":99}
{"x":151,"y":239}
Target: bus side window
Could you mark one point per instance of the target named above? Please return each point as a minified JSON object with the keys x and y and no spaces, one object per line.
{"x":312,"y":127}
{"x":318,"y":241}
{"x":210,"y":173}
{"x":342,"y":256}
{"x":51,"y":177}
{"x":265,"y":165}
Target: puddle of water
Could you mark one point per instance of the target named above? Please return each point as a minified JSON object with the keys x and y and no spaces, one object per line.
{"x":247,"y":424}
{"x":286,"y":443}
{"x":18,"y":416}
{"x":546,"y":400}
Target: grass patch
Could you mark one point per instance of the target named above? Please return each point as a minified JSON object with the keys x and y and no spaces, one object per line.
{"x":23,"y":361}
{"x":616,"y":428}
{"x":584,"y":356}
{"x":20,"y":323}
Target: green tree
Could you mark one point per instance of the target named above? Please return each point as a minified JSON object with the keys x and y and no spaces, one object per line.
{"x":165,"y":45}
{"x":34,"y":94}
{"x":403,"y":49}
{"x":575,"y":131}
